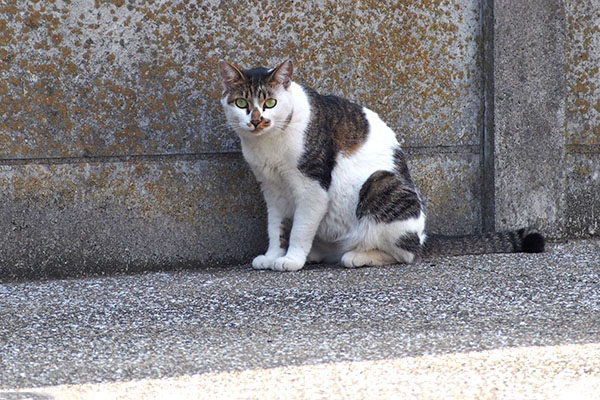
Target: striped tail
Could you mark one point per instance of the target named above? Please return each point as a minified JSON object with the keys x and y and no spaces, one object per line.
{"x":524,"y":240}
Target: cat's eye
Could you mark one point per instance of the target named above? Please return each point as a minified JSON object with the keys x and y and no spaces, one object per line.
{"x":241,"y":103}
{"x":270,"y":103}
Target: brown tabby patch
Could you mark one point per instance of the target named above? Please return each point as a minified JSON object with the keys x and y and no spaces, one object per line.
{"x":336,"y":125}
{"x":347,"y":137}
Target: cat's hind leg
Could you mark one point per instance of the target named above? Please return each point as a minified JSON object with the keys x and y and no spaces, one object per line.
{"x":391,"y":216}
{"x":406,"y":249}
{"x":405,"y":243}
{"x":370,"y":258}
{"x":409,"y":247}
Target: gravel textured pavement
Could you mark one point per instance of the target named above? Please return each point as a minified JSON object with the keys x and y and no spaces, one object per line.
{"x":494,"y":326}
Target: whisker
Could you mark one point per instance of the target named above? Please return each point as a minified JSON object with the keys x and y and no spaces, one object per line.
{"x":286,"y":123}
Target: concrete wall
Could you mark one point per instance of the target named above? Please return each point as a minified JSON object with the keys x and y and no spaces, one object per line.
{"x":113,"y":150}
{"x":529,"y":106}
{"x":547,"y":115}
{"x":582,"y":119}
{"x":114,"y":155}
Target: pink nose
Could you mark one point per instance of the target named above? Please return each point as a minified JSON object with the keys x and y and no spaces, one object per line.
{"x":255,"y":122}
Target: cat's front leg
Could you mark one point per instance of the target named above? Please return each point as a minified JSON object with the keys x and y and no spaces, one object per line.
{"x":311,"y":206}
{"x":277,"y":210}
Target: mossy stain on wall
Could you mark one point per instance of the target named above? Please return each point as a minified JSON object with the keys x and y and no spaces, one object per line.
{"x":583,"y":77}
{"x":117,"y":77}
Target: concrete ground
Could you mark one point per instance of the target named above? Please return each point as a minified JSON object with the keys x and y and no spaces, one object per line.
{"x":496,"y":326}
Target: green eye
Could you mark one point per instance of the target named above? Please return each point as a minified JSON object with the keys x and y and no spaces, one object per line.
{"x":270,"y":103}
{"x":241,"y":103}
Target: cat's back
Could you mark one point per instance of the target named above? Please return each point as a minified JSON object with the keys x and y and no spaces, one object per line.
{"x":340,"y":129}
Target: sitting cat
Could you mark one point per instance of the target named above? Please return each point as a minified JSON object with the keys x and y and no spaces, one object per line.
{"x":335,"y":171}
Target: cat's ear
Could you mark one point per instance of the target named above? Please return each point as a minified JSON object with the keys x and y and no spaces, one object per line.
{"x":282,"y":75}
{"x":230,"y":74}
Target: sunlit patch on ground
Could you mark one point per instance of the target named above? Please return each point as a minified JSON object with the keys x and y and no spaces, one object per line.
{"x":553,"y":372}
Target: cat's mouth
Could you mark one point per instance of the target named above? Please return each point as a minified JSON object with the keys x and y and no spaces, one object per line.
{"x":265,"y":123}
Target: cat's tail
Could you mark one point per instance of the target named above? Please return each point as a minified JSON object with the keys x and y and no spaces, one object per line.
{"x":524,"y":240}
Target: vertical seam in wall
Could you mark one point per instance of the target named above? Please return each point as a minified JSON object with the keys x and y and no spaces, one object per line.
{"x":488,"y":189}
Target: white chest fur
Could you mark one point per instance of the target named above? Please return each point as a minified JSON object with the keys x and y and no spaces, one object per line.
{"x":273,"y":156}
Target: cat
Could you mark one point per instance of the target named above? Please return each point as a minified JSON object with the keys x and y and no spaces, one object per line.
{"x":335,"y":179}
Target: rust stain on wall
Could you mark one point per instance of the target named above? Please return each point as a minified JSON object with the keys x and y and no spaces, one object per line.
{"x":116,"y":77}
{"x":583,"y":77}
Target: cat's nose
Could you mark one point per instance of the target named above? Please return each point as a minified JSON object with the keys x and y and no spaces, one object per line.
{"x":255,"y":118}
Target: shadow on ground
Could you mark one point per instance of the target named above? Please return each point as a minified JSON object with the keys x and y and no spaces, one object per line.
{"x":161,"y":325}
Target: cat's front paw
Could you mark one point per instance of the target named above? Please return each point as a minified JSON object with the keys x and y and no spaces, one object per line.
{"x":287,"y":264}
{"x":262,"y":262}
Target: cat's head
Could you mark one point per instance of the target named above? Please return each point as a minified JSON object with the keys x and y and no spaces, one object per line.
{"x":256,"y":101}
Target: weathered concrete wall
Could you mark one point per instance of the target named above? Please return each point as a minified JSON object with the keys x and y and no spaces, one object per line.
{"x":75,"y":217}
{"x":112,"y":78}
{"x":113,"y":150}
{"x":114,"y":154}
{"x":529,"y":101}
{"x":547,"y":115}
{"x":582,"y":133}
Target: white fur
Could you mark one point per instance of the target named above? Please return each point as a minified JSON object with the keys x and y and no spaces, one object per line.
{"x":324,"y":221}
